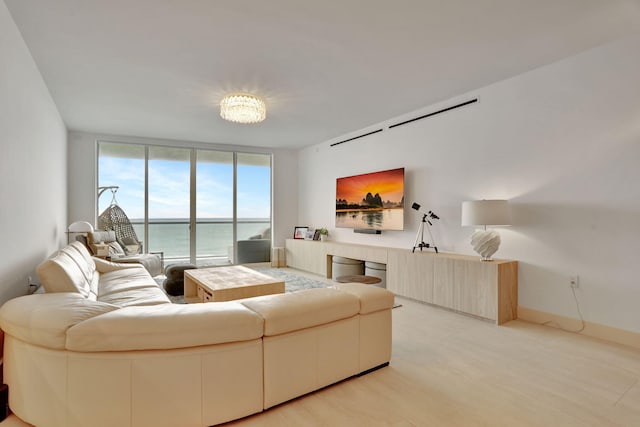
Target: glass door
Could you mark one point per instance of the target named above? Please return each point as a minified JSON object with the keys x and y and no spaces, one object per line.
{"x":253,"y":207}
{"x":214,"y":207}
{"x":169,"y":201}
{"x":121,"y":168}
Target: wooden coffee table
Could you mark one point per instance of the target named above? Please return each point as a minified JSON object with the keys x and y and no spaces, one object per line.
{"x":228,"y":283}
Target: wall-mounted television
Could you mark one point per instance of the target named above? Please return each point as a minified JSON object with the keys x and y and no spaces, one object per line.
{"x":371,"y":201}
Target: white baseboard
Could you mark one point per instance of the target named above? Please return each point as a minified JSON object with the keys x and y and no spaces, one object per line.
{"x":595,"y":330}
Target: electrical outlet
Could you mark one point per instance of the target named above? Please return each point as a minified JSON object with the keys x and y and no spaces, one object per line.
{"x":574,"y":281}
{"x":31,"y":287}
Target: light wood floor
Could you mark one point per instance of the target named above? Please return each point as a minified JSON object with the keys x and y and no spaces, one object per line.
{"x":452,"y":370}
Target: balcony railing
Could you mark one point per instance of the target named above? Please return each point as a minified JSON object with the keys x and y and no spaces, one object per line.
{"x":214,"y":238}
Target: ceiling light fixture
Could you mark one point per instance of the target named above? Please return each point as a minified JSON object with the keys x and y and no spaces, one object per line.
{"x":243,"y":108}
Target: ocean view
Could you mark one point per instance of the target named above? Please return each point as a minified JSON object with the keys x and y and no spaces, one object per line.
{"x":213,"y":237}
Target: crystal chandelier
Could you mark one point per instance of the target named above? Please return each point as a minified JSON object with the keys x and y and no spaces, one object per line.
{"x":243,"y":108}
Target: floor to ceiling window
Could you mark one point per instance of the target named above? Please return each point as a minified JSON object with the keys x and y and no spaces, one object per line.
{"x":122,"y":168}
{"x":214,"y":204}
{"x":168,"y":201}
{"x":192,"y":204}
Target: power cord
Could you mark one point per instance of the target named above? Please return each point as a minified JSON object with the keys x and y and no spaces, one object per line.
{"x":556,"y":325}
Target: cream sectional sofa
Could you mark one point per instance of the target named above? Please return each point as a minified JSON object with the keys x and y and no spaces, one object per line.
{"x":105,"y":347}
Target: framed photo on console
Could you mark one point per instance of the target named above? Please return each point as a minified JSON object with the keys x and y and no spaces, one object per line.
{"x":300,"y":232}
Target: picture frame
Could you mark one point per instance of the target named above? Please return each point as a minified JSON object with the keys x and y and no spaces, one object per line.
{"x":309,"y":234}
{"x":316,"y":235}
{"x":300,"y":232}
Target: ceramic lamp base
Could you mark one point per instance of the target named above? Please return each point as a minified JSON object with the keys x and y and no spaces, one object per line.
{"x":485,"y":243}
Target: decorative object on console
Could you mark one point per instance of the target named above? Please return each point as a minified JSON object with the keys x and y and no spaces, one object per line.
{"x":243,"y":108}
{"x":322,"y":233}
{"x":372,"y":201}
{"x":485,"y":212}
{"x":300,"y":232}
{"x":78,"y":228}
{"x":419,"y":242}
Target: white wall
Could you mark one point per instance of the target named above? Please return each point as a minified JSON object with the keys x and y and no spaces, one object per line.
{"x":33,"y":141}
{"x":561,"y":142}
{"x":82,"y":178}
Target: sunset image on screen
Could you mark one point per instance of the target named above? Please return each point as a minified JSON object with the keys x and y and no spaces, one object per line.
{"x":388,"y":184}
{"x":372,"y":200}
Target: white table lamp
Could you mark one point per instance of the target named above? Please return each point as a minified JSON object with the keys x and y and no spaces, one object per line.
{"x":485,"y":212}
{"x":78,"y":227}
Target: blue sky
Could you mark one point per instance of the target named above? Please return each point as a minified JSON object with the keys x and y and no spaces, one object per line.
{"x":169,"y":188}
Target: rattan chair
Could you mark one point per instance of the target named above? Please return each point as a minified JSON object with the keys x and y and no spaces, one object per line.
{"x":114,"y":219}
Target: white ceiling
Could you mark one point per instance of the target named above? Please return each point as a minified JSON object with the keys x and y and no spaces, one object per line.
{"x":158,"y":68}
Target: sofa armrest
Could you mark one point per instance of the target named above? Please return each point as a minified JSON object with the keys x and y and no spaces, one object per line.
{"x":104,"y":266}
{"x":294,"y":311}
{"x":43,"y":319}
{"x":372,"y":298}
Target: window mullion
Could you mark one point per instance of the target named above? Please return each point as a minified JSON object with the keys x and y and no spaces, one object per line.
{"x":193,"y":208}
{"x":146,"y":199}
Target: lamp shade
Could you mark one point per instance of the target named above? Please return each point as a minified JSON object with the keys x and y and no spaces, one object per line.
{"x":80,"y":227}
{"x":486,"y":212}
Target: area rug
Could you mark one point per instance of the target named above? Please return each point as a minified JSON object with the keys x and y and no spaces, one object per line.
{"x":292,"y":282}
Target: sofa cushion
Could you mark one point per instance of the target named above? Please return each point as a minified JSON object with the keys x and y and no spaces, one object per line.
{"x":166,"y":327}
{"x":135,"y":297}
{"x":43,"y":319}
{"x":104,"y":266}
{"x":101,"y":236}
{"x":130,"y":286}
{"x":125,"y":280}
{"x":65,"y":272}
{"x":151,"y":262}
{"x":85,"y":261}
{"x":372,"y":298}
{"x":108,"y":237}
{"x":303,"y":309}
{"x":94,"y":287}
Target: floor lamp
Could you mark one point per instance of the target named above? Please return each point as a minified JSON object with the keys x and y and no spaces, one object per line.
{"x":78,"y":227}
